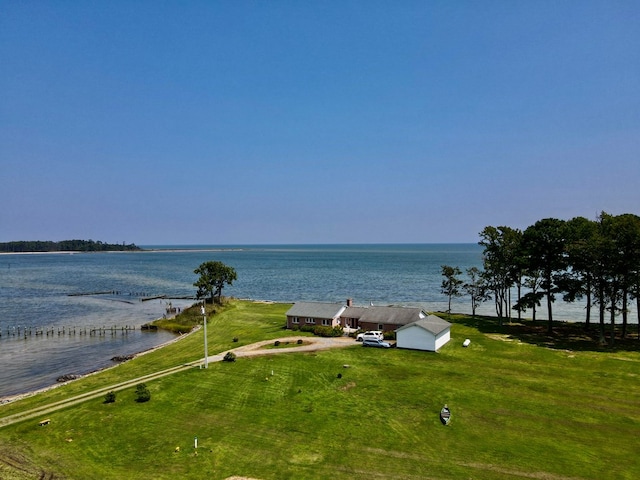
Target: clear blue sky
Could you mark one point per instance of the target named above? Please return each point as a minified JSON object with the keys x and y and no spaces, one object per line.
{"x":226,"y":122}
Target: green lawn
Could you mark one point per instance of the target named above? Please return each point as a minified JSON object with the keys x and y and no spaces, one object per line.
{"x":518,"y":411}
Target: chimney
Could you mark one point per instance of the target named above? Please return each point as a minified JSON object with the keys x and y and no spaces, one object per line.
{"x":349,"y":302}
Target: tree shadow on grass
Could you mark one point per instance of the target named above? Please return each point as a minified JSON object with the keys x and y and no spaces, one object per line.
{"x":566,"y":335}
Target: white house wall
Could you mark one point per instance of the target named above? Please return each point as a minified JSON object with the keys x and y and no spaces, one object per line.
{"x":443,"y":338}
{"x":416,"y":338}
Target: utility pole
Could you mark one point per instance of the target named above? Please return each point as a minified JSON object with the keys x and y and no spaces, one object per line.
{"x":204,"y":316}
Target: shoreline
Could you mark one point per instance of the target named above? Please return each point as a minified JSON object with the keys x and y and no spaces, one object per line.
{"x":541,"y":322}
{"x":20,"y":396}
{"x":142,"y":250}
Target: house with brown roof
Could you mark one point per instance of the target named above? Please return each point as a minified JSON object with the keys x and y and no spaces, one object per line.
{"x":415,"y":329}
{"x":388,"y":319}
{"x":314,"y":313}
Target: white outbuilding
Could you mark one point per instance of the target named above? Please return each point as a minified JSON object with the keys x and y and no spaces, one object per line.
{"x":428,"y":334}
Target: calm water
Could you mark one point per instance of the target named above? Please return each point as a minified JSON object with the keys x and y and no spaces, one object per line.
{"x":34,"y":292}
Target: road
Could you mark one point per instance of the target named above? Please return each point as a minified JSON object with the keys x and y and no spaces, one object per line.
{"x":252,"y":350}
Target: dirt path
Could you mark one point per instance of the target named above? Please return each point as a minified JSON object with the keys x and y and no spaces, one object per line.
{"x":255,"y":349}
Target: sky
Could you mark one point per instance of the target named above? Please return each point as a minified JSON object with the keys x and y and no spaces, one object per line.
{"x":275,"y":122}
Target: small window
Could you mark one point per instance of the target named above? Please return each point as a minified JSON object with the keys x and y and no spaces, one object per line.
{"x":326,"y":322}
{"x":310,"y":320}
{"x":380,"y":327}
{"x":295,"y":320}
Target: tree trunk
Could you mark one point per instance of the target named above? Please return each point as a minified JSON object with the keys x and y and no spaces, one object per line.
{"x":549,"y":312}
{"x":549,"y":302}
{"x":613,"y":314}
{"x":624,"y":313}
{"x":638,"y":312}
{"x":498,"y":302}
{"x":601,"y":307}
{"x":613,"y":324}
{"x":587,"y":325}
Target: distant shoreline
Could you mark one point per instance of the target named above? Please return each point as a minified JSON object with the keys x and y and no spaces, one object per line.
{"x":58,"y":252}
{"x":76,"y":245}
{"x":142,"y":250}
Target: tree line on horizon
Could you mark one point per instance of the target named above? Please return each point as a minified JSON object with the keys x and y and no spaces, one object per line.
{"x":595,"y":260}
{"x":65,"y":246}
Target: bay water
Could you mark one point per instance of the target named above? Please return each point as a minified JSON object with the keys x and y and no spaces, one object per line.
{"x":67,"y":291}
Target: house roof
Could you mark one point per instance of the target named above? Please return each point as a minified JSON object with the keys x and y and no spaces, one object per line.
{"x":431,"y":323}
{"x":354,"y":312}
{"x":315,"y":310}
{"x":392,"y":315}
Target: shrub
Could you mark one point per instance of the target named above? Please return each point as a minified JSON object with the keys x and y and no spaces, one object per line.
{"x":277,"y":343}
{"x":110,"y":397}
{"x":235,"y":339}
{"x":326,"y":331}
{"x":229,"y":357}
{"x":299,"y":341}
{"x":142,"y":393}
{"x":389,"y":335}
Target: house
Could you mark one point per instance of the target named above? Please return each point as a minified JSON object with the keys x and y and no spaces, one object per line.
{"x":350,"y":317}
{"x":314,"y":313}
{"x":429,"y":333}
{"x":388,"y":319}
{"x":432,"y":332}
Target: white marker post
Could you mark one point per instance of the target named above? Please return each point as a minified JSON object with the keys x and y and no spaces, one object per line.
{"x":195,"y":443}
{"x":206,"y":354}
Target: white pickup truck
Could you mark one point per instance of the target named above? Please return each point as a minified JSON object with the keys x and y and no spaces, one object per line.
{"x":373,"y":335}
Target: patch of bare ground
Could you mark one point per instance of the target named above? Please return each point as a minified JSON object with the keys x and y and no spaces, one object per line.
{"x":501,"y":337}
{"x":517,"y":473}
{"x":348,"y":386}
{"x":369,"y":473}
{"x":626,"y":359}
{"x":15,"y":467}
{"x":392,"y":453}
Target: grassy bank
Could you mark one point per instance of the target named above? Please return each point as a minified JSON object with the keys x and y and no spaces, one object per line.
{"x":519,"y":410}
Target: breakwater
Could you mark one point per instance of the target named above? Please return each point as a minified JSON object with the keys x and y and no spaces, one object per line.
{"x":143,"y":296}
{"x":26,"y":332}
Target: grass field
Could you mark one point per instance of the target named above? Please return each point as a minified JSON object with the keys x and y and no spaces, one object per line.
{"x":519,"y":410}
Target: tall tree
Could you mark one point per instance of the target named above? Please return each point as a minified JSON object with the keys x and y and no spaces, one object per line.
{"x":502,"y":264}
{"x":623,"y":235}
{"x":214,"y":276}
{"x":544,"y":244}
{"x":533,"y":297}
{"x":600,"y":268}
{"x":516,"y":260}
{"x":582,"y":257}
{"x":451,"y":283}
{"x":476,"y":288}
